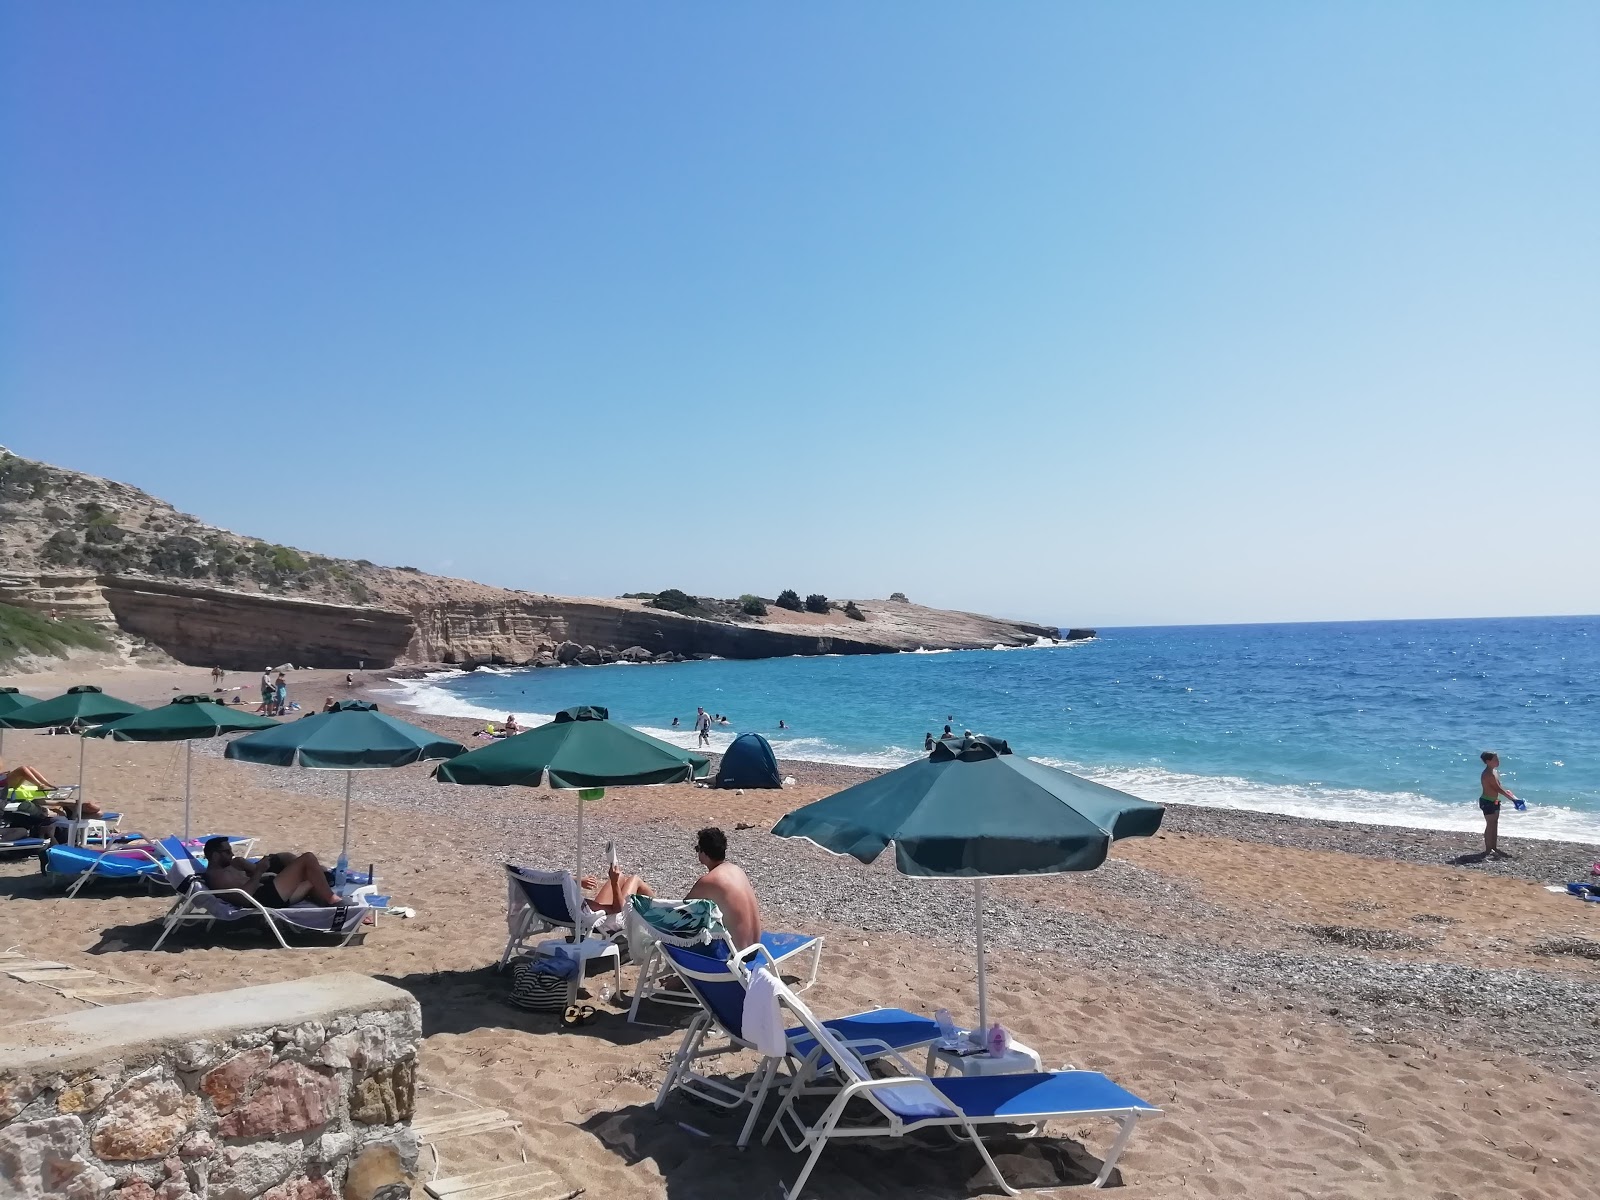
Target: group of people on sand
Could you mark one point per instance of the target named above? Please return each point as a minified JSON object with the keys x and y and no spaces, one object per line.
{"x":281,"y":880}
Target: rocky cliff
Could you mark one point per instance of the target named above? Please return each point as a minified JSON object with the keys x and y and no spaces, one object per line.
{"x":209,"y":596}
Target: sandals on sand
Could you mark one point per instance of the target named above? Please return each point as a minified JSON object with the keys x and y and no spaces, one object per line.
{"x":576,"y":1015}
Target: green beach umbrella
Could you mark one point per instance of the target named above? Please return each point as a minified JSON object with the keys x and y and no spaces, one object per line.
{"x":972,"y":809}
{"x":84,"y":704}
{"x":353,"y":736}
{"x":11,"y":701}
{"x":583,"y":749}
{"x":184,"y":719}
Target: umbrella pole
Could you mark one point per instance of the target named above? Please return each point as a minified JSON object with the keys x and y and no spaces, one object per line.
{"x":83,"y":743}
{"x":983,"y":987}
{"x":188,"y":774}
{"x":578,"y":874}
{"x":344,"y":846}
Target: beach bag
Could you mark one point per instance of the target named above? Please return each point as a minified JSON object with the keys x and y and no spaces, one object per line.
{"x":542,"y":982}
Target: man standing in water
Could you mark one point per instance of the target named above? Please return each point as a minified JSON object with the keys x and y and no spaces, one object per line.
{"x":1489,"y":795}
{"x":702,"y":725}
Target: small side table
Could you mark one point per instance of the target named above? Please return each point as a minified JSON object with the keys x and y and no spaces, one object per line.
{"x":581,"y":953}
{"x":1015,"y":1061}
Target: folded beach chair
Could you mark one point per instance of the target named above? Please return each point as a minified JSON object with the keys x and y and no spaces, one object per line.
{"x":198,"y":903}
{"x":910,"y":1100}
{"x":690,"y":923}
{"x":539,"y":902}
{"x":720,"y":985}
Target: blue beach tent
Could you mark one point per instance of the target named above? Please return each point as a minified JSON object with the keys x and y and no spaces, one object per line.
{"x":749,"y":763}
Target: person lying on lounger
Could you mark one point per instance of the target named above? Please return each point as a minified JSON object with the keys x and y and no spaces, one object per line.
{"x":275,"y":881}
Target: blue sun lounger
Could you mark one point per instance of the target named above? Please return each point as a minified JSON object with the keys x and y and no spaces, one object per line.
{"x":909,"y":1101}
{"x":718,"y":986}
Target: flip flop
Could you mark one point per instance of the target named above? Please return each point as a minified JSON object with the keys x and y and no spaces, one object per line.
{"x":577,"y":1014}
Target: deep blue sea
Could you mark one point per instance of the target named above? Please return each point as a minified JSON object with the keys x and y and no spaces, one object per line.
{"x":1373,"y":721}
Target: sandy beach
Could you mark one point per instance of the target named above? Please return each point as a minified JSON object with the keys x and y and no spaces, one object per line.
{"x":1320,"y":1009}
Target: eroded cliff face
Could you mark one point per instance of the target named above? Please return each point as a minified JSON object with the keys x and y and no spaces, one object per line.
{"x":245,"y":631}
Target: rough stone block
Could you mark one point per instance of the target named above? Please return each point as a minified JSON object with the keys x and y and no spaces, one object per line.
{"x":146,"y":1119}
{"x":303,"y":1188}
{"x":379,"y":1169}
{"x":45,"y":1159}
{"x":291,"y":1098}
{"x":227,"y":1084}
{"x":14,"y":1096}
{"x":248,"y":1171}
{"x":84,"y":1094}
{"x":386,"y":1096}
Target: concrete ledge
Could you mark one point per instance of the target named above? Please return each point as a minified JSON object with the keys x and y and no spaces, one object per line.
{"x":134,"y":1031}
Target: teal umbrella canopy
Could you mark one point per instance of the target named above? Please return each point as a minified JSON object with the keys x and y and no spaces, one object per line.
{"x":972,"y":808}
{"x":354,"y":737}
{"x":84,"y":703}
{"x":181,"y":719}
{"x":581,"y":748}
{"x":12,"y":701}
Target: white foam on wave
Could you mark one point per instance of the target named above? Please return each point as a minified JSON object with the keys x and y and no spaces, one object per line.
{"x":1410,"y":810}
{"x":426,"y":696}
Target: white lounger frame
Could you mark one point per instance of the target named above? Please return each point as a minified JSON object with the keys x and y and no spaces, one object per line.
{"x":799,"y":1136}
{"x":187,"y":911}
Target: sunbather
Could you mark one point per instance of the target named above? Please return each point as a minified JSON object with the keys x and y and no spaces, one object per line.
{"x":276,"y":880}
{"x":728,"y":887}
{"x":18,"y":776}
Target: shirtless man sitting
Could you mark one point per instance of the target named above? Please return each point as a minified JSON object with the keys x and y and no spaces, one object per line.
{"x":299,"y":876}
{"x":728,"y":887}
{"x":724,"y":884}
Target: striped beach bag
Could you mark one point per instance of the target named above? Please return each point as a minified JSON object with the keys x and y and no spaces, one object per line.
{"x":543,"y":982}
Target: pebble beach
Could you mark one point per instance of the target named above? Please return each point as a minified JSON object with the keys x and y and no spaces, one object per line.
{"x":1321,"y":1008}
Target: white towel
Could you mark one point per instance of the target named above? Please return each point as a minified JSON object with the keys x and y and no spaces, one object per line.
{"x":763,"y":1019}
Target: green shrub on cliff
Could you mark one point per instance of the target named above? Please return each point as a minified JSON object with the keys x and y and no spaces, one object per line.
{"x":790,"y":599}
{"x":817,"y":603}
{"x":23,"y":631}
{"x":752,"y":606}
{"x":672,"y":600}
{"x":853,"y":612}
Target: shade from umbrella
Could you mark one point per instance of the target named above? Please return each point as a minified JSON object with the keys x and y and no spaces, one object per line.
{"x":581,"y":748}
{"x":354,"y":736}
{"x":11,"y":701}
{"x":973,"y":809}
{"x":184,"y":719}
{"x":85,"y":704}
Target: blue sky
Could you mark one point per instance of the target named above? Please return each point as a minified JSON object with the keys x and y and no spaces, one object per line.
{"x":1096,"y":313}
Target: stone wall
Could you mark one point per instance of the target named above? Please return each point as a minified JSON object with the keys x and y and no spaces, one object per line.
{"x":290,"y":1091}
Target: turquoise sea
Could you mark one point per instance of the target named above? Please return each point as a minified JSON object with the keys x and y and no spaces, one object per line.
{"x":1370,"y":721}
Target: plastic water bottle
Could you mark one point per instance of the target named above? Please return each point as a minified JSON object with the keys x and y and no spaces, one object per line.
{"x":340,"y":871}
{"x":999,"y":1041}
{"x":947,"y":1026}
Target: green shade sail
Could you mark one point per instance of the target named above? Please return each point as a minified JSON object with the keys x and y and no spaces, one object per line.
{"x":183,"y":719}
{"x":84,"y":703}
{"x":353,"y":737}
{"x":179,"y":720}
{"x":12,"y":701}
{"x":974,"y":809}
{"x":581,"y":748}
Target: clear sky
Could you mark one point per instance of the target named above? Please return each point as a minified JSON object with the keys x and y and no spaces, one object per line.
{"x":1095,"y":313}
